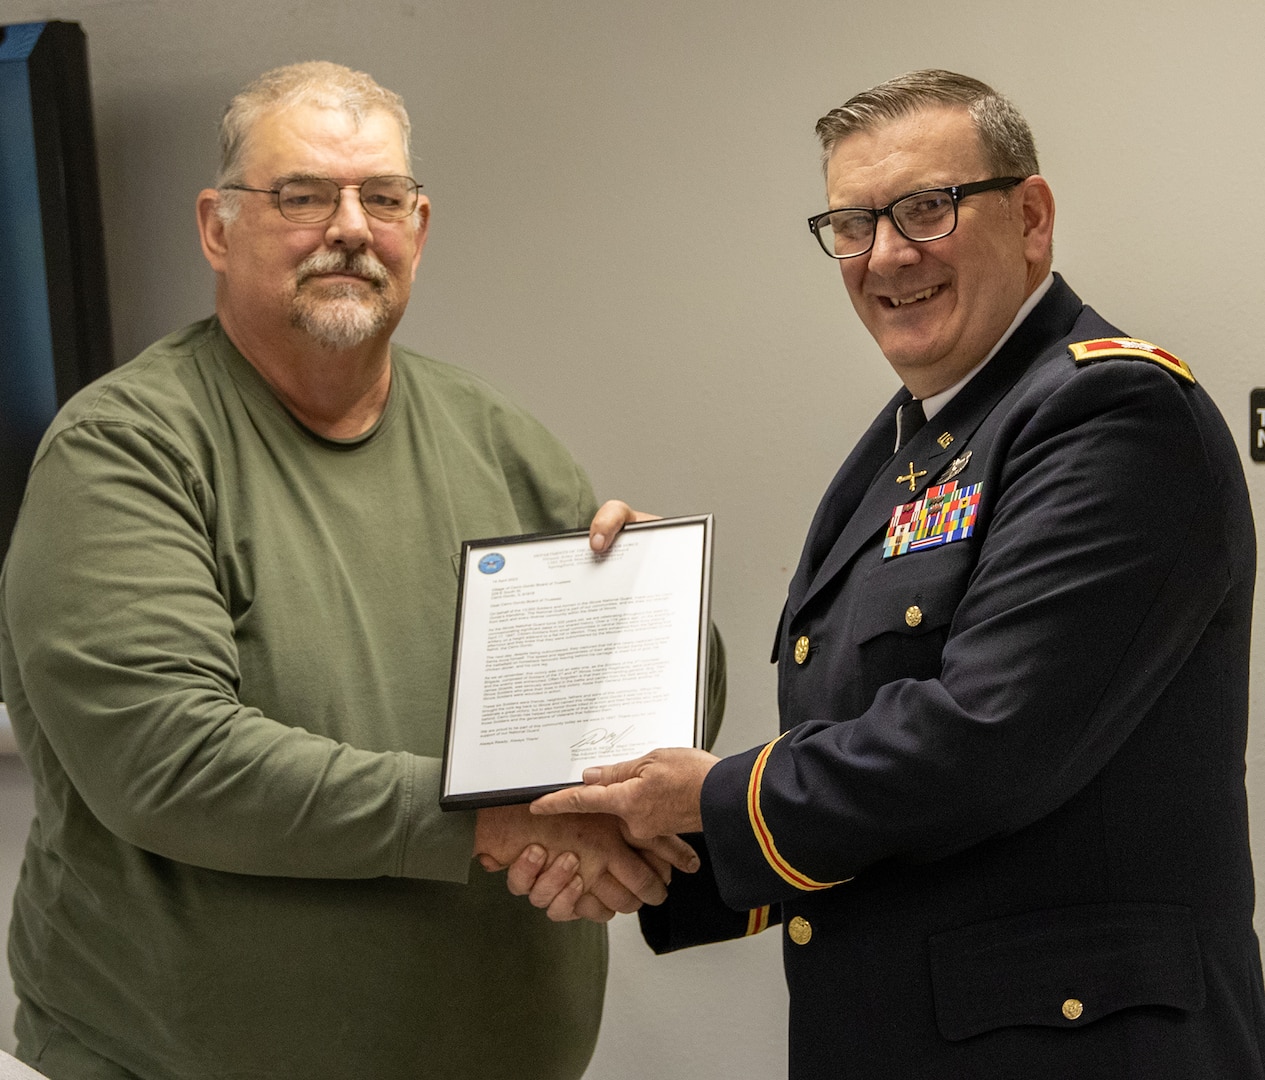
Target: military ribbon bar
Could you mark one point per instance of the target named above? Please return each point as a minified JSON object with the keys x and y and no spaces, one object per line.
{"x":942,"y":515}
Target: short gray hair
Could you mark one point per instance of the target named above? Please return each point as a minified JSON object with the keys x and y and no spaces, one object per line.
{"x":1005,"y":137}
{"x":315,"y":82}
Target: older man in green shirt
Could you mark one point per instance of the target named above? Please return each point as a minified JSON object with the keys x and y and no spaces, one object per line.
{"x":225,"y":634}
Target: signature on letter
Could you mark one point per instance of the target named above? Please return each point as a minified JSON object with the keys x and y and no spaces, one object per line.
{"x":602,"y":739}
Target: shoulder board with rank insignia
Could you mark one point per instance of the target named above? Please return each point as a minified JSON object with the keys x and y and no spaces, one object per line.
{"x":1085,"y":352}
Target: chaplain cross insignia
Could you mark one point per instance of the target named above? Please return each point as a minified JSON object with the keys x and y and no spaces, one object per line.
{"x":911,"y":476}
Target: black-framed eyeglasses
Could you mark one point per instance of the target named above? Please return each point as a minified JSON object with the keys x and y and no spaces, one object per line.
{"x":925,"y":215}
{"x":310,"y":199}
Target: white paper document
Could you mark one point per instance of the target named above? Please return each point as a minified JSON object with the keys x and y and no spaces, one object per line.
{"x":564,"y":658}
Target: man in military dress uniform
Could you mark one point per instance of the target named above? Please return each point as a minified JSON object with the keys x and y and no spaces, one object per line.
{"x":1004,"y":826}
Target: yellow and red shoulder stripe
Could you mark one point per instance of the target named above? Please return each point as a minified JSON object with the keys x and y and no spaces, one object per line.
{"x":1084,"y":352}
{"x":765,"y":838}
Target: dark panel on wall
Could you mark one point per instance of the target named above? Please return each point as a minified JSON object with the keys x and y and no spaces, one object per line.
{"x":54,"y":308}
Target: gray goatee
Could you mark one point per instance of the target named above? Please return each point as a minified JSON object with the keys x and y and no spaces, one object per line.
{"x":341,"y":316}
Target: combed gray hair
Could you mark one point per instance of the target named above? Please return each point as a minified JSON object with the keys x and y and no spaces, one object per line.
{"x":1005,"y":137}
{"x":315,"y":82}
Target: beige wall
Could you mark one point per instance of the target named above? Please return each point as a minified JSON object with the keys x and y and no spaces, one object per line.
{"x":618,"y":240}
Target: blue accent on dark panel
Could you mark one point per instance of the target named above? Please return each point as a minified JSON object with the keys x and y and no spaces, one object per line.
{"x":27,"y":382}
{"x":19,"y":40}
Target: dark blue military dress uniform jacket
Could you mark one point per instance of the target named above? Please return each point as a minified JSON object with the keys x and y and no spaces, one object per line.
{"x":1005,"y":828}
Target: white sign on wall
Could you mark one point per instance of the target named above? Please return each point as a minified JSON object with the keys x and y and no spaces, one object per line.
{"x":1256,"y":425}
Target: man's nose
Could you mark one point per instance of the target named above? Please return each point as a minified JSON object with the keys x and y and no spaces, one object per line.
{"x":350,"y":224}
{"x":891,"y":248}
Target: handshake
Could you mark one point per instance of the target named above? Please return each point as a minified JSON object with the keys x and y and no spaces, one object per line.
{"x":610,"y":845}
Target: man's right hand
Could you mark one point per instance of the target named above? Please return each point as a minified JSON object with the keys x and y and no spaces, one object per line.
{"x":578,"y":865}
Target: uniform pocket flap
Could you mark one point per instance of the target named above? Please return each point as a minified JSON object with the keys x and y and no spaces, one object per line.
{"x":1064,"y":967}
{"x":912,"y":611}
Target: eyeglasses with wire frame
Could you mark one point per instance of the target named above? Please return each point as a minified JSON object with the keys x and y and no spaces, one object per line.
{"x":310,"y":199}
{"x":930,"y":214}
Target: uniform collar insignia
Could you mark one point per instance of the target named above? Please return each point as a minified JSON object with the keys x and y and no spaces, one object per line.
{"x":912,"y":477}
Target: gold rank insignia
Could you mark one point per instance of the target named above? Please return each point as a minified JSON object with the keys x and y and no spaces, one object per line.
{"x":1085,"y":352}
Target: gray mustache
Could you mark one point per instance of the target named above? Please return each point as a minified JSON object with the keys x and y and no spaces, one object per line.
{"x":360,"y":264}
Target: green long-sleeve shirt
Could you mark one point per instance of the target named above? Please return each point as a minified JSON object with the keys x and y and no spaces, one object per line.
{"x":225,"y":646}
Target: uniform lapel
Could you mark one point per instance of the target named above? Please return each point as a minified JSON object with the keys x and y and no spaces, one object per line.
{"x":846,"y":491}
{"x":890,"y":487}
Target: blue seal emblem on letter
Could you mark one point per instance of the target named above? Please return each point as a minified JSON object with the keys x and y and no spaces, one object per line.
{"x":490,"y":564}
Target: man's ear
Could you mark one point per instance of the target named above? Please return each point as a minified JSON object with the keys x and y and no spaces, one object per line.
{"x":211,"y":229}
{"x":423,"y":228}
{"x":1037,"y":207}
